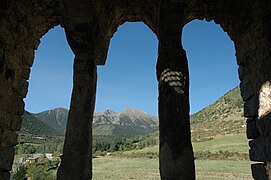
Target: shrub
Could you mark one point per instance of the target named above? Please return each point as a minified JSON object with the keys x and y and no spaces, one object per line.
{"x":21,"y":173}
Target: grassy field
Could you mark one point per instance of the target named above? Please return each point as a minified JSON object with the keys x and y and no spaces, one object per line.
{"x":125,"y":168}
{"x":124,"y":165}
{"x":223,"y":170}
{"x":231,"y":143}
{"x":114,"y":168}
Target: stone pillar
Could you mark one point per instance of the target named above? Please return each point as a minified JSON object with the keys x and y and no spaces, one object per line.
{"x":176,"y":157}
{"x":76,"y":161}
{"x":253,"y":52}
{"x":13,"y":85}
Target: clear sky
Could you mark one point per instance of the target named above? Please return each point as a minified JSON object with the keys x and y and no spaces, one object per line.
{"x":128,"y":79}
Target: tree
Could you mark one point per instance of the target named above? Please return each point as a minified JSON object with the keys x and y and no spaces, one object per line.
{"x":21,"y":173}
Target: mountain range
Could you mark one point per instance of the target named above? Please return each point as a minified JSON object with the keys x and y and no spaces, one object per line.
{"x":130,"y":122}
{"x":225,"y":116}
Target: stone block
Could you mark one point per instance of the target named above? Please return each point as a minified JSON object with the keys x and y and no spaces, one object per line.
{"x":241,"y":55}
{"x":251,"y":107}
{"x":260,"y":127}
{"x":4,"y":175}
{"x":246,"y":88}
{"x":260,"y":149}
{"x":6,"y":158}
{"x":264,"y":125}
{"x":252,"y":130}
{"x":259,"y":171}
{"x":241,"y":72}
{"x":8,"y":138}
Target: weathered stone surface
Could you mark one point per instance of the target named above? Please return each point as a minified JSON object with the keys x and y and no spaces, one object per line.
{"x":6,"y":158}
{"x":259,"y":171}
{"x":264,"y":125}
{"x":246,"y":87}
{"x":10,"y":121}
{"x":176,"y":156}
{"x":16,"y":123}
{"x":7,"y":138}
{"x":29,"y":58}
{"x":251,"y":107}
{"x":241,"y":57}
{"x":260,"y":149}
{"x":24,"y":88}
{"x":252,"y":130}
{"x":241,"y":73}
{"x":77,"y":151}
{"x":265,"y":100}
{"x":5,"y":119}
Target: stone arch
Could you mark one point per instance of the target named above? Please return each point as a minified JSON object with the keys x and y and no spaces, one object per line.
{"x":19,"y":37}
{"x":248,"y":28}
{"x":127,"y":11}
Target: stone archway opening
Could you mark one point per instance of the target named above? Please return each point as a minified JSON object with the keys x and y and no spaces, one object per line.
{"x":131,"y":60}
{"x":47,"y":101}
{"x":128,"y":80}
{"x":214,"y":82}
{"x":50,"y":82}
{"x":208,"y":46}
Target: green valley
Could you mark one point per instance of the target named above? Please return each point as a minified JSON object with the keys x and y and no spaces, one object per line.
{"x":125,"y":144}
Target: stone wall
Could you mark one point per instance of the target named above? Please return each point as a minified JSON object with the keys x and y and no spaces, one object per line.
{"x":22,"y":24}
{"x":89,"y":26}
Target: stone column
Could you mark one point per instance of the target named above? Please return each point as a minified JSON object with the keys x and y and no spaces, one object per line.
{"x":76,"y":161}
{"x":175,"y":151}
{"x":13,"y":85}
{"x":253,"y":52}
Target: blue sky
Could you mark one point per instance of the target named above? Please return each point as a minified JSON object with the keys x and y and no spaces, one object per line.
{"x":128,"y":79}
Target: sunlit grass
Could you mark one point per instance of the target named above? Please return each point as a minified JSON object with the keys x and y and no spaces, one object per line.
{"x":122,"y":166}
{"x":231,"y":143}
{"x":148,"y":169}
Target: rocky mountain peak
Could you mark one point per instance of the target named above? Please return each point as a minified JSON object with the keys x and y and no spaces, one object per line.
{"x":109,"y":112}
{"x":130,"y":121}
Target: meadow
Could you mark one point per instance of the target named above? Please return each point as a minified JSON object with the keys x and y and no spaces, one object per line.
{"x":219,"y":158}
{"x":115,"y":168}
{"x":229,"y":144}
{"x":142,"y":164}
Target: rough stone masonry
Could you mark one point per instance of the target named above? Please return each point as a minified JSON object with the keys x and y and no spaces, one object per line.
{"x":89,"y":26}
